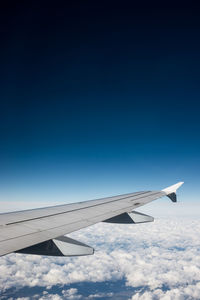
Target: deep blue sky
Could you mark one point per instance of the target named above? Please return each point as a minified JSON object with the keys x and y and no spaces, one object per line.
{"x":98,"y":99}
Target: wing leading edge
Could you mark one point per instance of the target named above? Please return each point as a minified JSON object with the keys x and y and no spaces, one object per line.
{"x":41,"y":231}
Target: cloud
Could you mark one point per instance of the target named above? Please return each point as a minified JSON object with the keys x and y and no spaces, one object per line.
{"x":100,"y":295}
{"x":159,"y":260}
{"x":179,"y":293}
{"x":71,"y":294}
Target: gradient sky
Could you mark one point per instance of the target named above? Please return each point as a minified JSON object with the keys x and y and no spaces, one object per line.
{"x":98,"y":99}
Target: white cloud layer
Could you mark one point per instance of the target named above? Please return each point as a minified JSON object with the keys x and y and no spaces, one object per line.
{"x":160,"y":260}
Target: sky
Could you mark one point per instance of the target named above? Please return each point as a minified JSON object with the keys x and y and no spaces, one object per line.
{"x":99,"y":99}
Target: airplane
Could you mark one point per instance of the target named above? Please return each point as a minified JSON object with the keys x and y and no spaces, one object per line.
{"x":42,"y":231}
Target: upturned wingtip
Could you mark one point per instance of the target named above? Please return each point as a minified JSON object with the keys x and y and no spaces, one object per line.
{"x":173,"y":188}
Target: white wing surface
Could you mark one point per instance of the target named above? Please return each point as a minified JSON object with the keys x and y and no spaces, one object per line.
{"x":41,"y":231}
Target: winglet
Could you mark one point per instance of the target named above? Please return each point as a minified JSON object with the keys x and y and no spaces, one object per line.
{"x":171,"y":191}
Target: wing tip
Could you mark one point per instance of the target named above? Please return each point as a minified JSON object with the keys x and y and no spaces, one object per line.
{"x":173,"y":188}
{"x":171,"y":191}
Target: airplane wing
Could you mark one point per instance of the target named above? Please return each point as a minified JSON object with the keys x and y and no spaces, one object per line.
{"x":41,"y":231}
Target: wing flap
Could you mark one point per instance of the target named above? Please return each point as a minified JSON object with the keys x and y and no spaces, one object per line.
{"x":130,"y":218}
{"x":62,"y":246}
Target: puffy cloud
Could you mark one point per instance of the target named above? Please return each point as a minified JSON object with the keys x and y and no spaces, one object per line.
{"x":159,"y":260}
{"x":100,"y":295}
{"x":179,"y":293}
{"x":71,"y":294}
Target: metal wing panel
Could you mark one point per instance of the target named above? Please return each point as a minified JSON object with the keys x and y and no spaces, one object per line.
{"x":13,"y":217}
{"x":21,"y":234}
{"x":20,"y":230}
{"x":23,"y":229}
